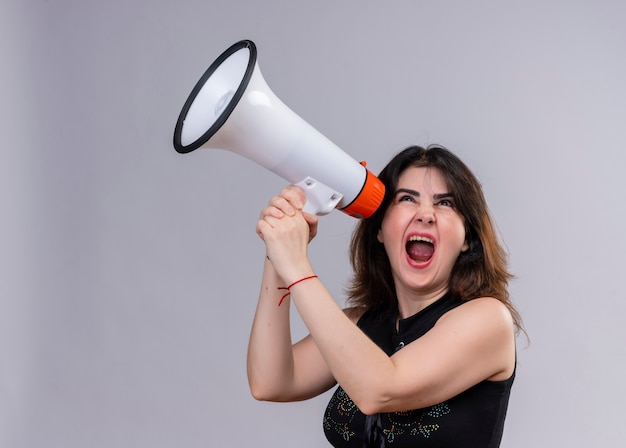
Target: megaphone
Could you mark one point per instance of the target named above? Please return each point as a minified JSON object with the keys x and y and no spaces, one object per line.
{"x":232,"y":108}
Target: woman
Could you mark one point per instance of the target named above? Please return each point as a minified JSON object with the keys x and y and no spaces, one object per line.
{"x":425,"y":356}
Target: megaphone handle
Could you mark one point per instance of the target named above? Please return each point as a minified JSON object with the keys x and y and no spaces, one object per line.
{"x":320,"y":199}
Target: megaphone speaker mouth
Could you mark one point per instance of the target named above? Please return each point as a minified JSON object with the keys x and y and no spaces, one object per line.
{"x":215,"y":96}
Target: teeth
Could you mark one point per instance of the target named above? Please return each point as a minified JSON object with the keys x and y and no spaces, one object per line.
{"x":421,"y":238}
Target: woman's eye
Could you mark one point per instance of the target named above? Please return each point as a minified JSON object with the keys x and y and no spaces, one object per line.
{"x":446,"y":203}
{"x":406,"y":197}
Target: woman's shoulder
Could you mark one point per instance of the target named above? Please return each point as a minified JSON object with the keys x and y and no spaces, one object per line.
{"x":486,"y":326}
{"x":481,"y":311}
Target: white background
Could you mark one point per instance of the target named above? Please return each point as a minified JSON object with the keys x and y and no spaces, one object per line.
{"x":129,"y":273}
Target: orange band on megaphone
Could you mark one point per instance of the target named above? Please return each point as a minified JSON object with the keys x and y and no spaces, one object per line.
{"x":369,"y":199}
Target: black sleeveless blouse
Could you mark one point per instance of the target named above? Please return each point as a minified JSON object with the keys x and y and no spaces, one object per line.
{"x":472,"y":419}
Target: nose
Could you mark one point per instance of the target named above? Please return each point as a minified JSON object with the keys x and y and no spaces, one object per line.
{"x":425,"y":214}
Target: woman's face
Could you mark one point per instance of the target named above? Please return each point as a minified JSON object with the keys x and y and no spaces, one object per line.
{"x":422,"y":232}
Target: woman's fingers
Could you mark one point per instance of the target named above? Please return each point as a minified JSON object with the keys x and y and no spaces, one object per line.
{"x":295,"y":195}
{"x":279,"y":206}
{"x":291,"y":199}
{"x":312,"y":220}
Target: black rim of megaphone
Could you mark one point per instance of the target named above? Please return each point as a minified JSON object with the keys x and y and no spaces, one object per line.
{"x":229,"y":108}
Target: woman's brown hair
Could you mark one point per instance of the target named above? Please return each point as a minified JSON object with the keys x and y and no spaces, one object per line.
{"x":478,"y":272}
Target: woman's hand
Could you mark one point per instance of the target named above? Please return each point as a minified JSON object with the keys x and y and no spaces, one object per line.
{"x":287,"y":230}
{"x":289,"y":200}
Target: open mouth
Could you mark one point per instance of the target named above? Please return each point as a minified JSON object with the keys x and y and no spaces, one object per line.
{"x":420,"y":248}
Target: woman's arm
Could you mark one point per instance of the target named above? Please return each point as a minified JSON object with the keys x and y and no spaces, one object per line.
{"x":471,"y":343}
{"x":278,"y":370}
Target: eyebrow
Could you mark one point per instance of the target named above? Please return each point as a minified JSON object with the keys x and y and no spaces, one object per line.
{"x":417,"y":193}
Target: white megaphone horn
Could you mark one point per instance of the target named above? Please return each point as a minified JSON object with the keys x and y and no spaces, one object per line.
{"x":232,"y":108}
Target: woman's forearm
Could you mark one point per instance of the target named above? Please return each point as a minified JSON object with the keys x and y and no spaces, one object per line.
{"x":270,"y":356}
{"x":354,"y":360}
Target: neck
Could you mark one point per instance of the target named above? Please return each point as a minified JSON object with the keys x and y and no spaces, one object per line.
{"x":410,"y":304}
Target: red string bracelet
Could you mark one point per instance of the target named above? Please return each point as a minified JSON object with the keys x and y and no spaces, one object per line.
{"x":288,"y":287}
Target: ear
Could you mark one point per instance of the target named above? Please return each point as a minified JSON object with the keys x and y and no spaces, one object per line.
{"x":465,"y":247}
{"x":379,"y":236}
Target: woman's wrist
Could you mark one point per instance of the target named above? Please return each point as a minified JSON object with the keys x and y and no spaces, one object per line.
{"x":291,"y":285}
{"x":292,"y":272}
{"x":296,"y":273}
